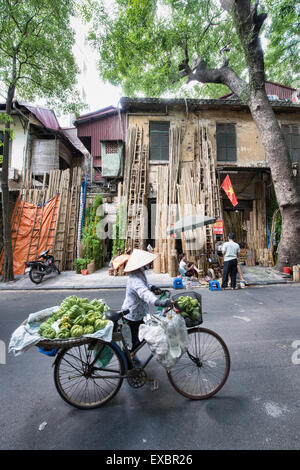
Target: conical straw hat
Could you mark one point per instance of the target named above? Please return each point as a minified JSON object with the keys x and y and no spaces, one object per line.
{"x":138,"y":259}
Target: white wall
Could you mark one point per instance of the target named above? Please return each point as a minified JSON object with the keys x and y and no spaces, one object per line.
{"x":18,"y":144}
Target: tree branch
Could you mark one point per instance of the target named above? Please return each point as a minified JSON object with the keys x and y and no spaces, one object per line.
{"x":224,"y":75}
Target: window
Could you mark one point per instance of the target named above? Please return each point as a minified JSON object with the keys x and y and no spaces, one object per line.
{"x":226,"y":142}
{"x":292,"y":136}
{"x":159,"y":140}
{"x":1,"y":148}
{"x":112,"y":159}
{"x":111,"y":147}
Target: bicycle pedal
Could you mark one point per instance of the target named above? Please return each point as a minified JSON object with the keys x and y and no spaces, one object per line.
{"x":154,"y":385}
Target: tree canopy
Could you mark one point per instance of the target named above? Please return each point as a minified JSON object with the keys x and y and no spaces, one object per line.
{"x":36,"y":51}
{"x":283,"y":32}
{"x":36,"y":60}
{"x":143,"y":43}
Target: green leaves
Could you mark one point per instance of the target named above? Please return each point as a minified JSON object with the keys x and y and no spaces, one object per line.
{"x":141,"y":44}
{"x":282,"y":54}
{"x":36,"y":50}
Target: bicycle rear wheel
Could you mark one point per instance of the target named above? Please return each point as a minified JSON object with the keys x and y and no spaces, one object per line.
{"x":203,"y":370}
{"x":89,"y":375}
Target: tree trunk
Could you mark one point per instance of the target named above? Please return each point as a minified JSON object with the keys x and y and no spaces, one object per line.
{"x":7,"y":266}
{"x":248,"y":23}
{"x":279,"y":161}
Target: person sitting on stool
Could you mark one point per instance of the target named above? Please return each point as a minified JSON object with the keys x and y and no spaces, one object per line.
{"x":188,"y":267}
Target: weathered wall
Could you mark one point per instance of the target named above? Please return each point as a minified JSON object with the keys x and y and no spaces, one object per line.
{"x":250,"y":150}
{"x":44,"y":156}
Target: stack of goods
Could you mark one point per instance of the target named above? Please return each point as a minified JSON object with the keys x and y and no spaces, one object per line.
{"x":75,"y":317}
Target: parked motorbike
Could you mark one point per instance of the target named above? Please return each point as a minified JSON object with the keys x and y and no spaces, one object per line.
{"x":44,"y":264}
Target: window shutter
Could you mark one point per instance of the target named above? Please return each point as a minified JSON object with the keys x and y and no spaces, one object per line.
{"x":226,"y":142}
{"x":159,"y":140}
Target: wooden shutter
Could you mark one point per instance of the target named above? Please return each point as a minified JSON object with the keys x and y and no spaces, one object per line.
{"x":159,"y":140}
{"x":226,"y":142}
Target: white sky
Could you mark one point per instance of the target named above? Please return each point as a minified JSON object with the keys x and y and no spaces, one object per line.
{"x":94,"y":92}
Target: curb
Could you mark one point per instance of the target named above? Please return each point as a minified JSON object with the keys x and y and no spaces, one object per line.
{"x":110,"y":287}
{"x":102,"y":287}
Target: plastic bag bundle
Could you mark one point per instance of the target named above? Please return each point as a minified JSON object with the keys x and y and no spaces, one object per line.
{"x":167,"y":338}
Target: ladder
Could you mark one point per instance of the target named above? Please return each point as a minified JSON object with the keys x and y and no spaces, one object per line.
{"x":70,"y":248}
{"x":137,"y":195}
{"x":60,"y":226}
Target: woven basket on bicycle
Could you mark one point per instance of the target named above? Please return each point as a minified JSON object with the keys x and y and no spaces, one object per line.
{"x":47,"y":343}
{"x":188,"y":321}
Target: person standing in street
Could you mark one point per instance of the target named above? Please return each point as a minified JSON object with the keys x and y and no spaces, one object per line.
{"x":230,"y":252}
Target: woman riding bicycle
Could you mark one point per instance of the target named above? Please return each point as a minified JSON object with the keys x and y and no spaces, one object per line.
{"x":139,"y":293}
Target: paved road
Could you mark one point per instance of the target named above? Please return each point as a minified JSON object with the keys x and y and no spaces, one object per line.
{"x":258,"y":408}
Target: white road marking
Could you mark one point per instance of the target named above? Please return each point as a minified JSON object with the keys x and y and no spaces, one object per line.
{"x":274,"y":409}
{"x":241,"y":318}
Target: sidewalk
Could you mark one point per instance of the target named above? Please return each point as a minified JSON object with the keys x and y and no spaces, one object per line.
{"x":254,"y":275}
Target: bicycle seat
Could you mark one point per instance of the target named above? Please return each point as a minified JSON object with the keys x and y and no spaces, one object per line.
{"x":115,"y":315}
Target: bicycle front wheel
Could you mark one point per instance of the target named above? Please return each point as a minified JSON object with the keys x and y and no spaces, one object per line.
{"x":89,"y":375}
{"x":203,"y":370}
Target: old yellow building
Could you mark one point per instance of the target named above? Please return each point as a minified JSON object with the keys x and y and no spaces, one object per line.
{"x":176,"y":154}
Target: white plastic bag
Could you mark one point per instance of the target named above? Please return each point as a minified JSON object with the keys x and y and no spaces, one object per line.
{"x":167,"y":338}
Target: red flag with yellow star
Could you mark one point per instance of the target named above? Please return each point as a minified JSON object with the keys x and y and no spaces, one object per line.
{"x":227,"y":186}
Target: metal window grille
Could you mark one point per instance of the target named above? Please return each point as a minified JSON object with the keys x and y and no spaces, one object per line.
{"x":111,"y":147}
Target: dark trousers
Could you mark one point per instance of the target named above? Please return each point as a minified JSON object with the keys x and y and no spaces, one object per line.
{"x":134,"y":328}
{"x":229,"y":268}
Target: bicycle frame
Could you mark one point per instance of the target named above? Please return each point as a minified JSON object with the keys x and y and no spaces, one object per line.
{"x":125,"y":354}
{"x":124,"y":350}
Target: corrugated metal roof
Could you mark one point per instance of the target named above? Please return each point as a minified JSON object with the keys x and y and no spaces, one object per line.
{"x":99,"y":114}
{"x":71,"y":135}
{"x":283,"y":92}
{"x":111,"y":126}
{"x":46,"y":116}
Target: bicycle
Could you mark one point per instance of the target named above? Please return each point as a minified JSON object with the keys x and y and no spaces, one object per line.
{"x":90,"y":373}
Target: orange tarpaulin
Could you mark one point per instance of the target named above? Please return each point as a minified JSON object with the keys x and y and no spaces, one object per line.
{"x":31,"y":231}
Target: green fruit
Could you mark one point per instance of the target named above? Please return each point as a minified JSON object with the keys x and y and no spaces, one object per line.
{"x":63,"y":334}
{"x":49,"y":333}
{"x":43,"y":327}
{"x":100,"y":324}
{"x":80,"y":320}
{"x":91,"y":318}
{"x":195,"y":314}
{"x":76,"y":331}
{"x":89,"y":329}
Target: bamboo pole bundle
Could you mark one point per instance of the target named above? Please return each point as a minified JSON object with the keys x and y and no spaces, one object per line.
{"x":175,"y":152}
{"x":161,"y":223}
